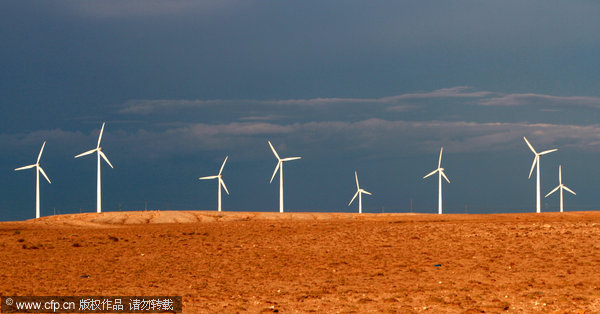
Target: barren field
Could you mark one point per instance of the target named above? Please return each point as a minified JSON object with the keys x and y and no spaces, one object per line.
{"x":324,"y":263}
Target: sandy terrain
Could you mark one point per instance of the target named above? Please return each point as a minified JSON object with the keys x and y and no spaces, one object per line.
{"x":324,"y":263}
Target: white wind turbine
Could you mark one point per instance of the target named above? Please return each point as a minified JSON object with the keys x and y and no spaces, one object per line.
{"x":220,"y":182}
{"x":561,"y":187}
{"x":279,"y":167}
{"x":99,"y":152}
{"x":441,"y":174}
{"x":536,"y":161}
{"x":37,"y":180}
{"x":359,"y":192}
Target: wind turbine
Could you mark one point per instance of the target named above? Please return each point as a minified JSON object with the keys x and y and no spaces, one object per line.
{"x":99,"y":152}
{"x":220,"y":182}
{"x":536,"y":161}
{"x":359,"y":192}
{"x":37,"y":180}
{"x":441,"y":174}
{"x":279,"y":166}
{"x":561,"y":187}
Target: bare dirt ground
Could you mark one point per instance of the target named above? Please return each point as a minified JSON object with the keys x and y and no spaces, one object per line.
{"x":324,"y":263}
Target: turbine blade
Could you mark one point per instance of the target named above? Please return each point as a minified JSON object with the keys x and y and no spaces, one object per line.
{"x":434,"y":171}
{"x":366,"y":192}
{"x":528,"y":144}
{"x":86,"y":153}
{"x":100,"y":137}
{"x":556,"y":188}
{"x":223,"y":184}
{"x":105,"y":159}
{"x":444,"y":175}
{"x":223,"y":165}
{"x":566,"y":188}
{"x":548,"y":151}
{"x":352,"y":200}
{"x":290,"y":158}
{"x":273,"y":149}
{"x":559,"y":174}
{"x":40,"y":154}
{"x":440,"y":160}
{"x":356,"y":177}
{"x":26,"y":167}
{"x":535,"y":159}
{"x":45,"y":176}
{"x":207,"y":178}
{"x":274,"y":172}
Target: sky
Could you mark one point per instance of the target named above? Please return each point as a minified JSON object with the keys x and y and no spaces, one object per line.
{"x":370,"y":86}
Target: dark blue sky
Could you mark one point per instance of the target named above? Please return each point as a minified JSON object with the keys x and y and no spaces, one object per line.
{"x":373,"y":86}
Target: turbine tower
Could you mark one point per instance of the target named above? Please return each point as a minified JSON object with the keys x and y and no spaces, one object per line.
{"x":220,"y":182}
{"x":279,"y":167}
{"x":536,"y":161}
{"x":561,"y":187}
{"x":441,"y":174}
{"x":99,"y":154}
{"x":359,"y":192}
{"x":37,"y":180}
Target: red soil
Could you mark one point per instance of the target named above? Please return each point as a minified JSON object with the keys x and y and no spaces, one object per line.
{"x":324,"y":263}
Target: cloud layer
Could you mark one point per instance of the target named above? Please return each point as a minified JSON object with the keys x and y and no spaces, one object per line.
{"x":366,"y":138}
{"x":401,"y":103}
{"x":541,"y":100}
{"x":152,"y":106}
{"x":365,"y":126}
{"x":144,"y":8}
